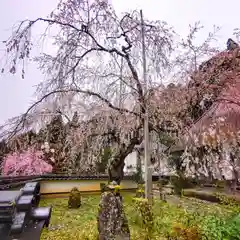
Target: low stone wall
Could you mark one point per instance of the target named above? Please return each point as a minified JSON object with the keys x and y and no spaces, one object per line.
{"x":63,"y":186}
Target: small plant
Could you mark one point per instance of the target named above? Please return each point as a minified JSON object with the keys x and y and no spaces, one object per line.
{"x":220,"y":184}
{"x":140,"y":193}
{"x":179,"y":184}
{"x":137,"y":176}
{"x":162,"y":194}
{"x":182,"y":232}
{"x":74,"y":200}
{"x":228,"y":201}
{"x":146,"y":213}
{"x":231,"y":229}
{"x":117,"y":190}
{"x":217,"y":228}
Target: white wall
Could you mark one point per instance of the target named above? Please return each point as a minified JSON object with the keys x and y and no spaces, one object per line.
{"x":131,"y":160}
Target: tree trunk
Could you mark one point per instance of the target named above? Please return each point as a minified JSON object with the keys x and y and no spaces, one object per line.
{"x":115,"y":169}
{"x":235,"y":173}
{"x":235,"y":180}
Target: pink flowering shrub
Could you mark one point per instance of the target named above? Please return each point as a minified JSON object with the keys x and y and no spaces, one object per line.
{"x":29,"y":162}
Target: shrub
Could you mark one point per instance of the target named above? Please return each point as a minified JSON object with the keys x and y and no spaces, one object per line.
{"x":179,"y":183}
{"x":229,"y":201}
{"x":74,"y":200}
{"x":181,"y":232}
{"x":146,"y":212}
{"x":140,"y":193}
{"x":103,"y":187}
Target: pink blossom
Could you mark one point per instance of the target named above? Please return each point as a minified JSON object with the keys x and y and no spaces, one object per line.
{"x":28,"y":162}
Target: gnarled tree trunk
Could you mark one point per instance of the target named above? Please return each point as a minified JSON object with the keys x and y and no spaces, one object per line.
{"x":115,"y":169}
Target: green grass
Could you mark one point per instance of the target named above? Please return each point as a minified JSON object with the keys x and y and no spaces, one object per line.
{"x":81,"y":224}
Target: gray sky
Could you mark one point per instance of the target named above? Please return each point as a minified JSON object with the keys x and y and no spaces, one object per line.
{"x":16,"y":93}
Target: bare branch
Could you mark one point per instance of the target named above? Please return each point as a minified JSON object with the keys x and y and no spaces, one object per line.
{"x":87,"y":92}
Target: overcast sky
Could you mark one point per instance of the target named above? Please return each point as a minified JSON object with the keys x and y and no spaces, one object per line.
{"x":16,"y":93}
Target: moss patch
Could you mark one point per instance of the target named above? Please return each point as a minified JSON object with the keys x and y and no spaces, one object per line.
{"x":81,"y":224}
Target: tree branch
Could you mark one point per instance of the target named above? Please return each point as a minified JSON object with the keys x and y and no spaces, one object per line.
{"x":101,"y":48}
{"x":51,"y":21}
{"x":90,"y":93}
{"x":125,"y":53}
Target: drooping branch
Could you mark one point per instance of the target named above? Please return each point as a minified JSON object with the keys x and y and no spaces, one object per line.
{"x":87,"y":92}
{"x":52,"y":22}
{"x":20,"y":34}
